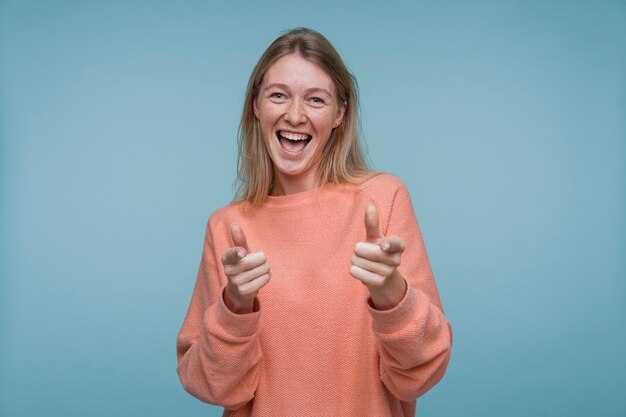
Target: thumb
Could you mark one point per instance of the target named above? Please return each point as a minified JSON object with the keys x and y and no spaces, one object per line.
{"x":239,"y":238}
{"x":372,"y":229}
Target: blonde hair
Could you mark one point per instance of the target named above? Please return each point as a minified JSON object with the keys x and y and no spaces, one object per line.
{"x":343,"y":159}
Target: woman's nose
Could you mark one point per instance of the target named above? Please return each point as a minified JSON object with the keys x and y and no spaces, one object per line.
{"x":295,"y":113}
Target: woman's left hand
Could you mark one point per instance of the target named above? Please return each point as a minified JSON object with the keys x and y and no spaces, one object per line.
{"x":375,"y":263}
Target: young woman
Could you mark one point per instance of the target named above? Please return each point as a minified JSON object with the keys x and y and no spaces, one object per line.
{"x":350,"y":323}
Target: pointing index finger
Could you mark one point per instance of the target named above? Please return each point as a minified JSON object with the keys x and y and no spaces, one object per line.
{"x":232,"y":255}
{"x":239,"y":238}
{"x":372,"y":227}
{"x":392,"y":244}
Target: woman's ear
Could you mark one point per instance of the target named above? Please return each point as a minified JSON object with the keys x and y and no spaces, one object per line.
{"x":254,"y":108}
{"x":340,"y":112}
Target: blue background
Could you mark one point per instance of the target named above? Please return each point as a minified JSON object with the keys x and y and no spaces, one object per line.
{"x":506,"y":120}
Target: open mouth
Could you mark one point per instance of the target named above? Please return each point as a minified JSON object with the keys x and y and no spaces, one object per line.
{"x":293,"y":142}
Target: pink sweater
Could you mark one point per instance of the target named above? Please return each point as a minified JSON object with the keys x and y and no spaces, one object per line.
{"x":316,"y":346}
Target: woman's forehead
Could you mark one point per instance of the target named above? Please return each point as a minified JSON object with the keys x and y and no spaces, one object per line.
{"x":295,"y":72}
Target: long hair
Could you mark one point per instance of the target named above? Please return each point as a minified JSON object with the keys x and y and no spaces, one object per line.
{"x":343,"y":159}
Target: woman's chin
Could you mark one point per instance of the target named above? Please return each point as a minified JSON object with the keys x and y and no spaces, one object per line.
{"x":291,"y":172}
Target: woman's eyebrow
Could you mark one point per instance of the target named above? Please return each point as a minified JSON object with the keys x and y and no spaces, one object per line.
{"x":274,"y":85}
{"x":308,"y":91}
{"x":320,"y":90}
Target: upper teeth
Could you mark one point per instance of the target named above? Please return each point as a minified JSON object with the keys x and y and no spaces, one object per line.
{"x":293,"y":136}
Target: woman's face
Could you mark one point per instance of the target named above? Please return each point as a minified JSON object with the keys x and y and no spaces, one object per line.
{"x":297,"y":109}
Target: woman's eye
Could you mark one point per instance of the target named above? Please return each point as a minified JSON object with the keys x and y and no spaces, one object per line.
{"x":317,"y":100}
{"x":278,"y":96}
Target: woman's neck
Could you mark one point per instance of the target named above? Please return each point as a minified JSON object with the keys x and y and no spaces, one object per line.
{"x":286,"y":184}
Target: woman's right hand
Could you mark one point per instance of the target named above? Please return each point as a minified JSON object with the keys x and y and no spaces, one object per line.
{"x":246,"y":272}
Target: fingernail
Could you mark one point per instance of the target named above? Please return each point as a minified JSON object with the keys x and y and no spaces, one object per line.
{"x":240,"y":253}
{"x":386,"y":246}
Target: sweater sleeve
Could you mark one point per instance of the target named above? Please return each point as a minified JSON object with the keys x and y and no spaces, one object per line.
{"x":218,"y":351}
{"x":414,"y":338}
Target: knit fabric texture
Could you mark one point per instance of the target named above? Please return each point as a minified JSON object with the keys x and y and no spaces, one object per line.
{"x":315,"y":346}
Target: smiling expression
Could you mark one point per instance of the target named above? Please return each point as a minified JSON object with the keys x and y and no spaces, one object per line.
{"x":297,"y":109}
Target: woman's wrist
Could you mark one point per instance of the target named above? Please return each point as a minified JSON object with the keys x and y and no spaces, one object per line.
{"x":389,"y":295}
{"x":238,"y":306}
